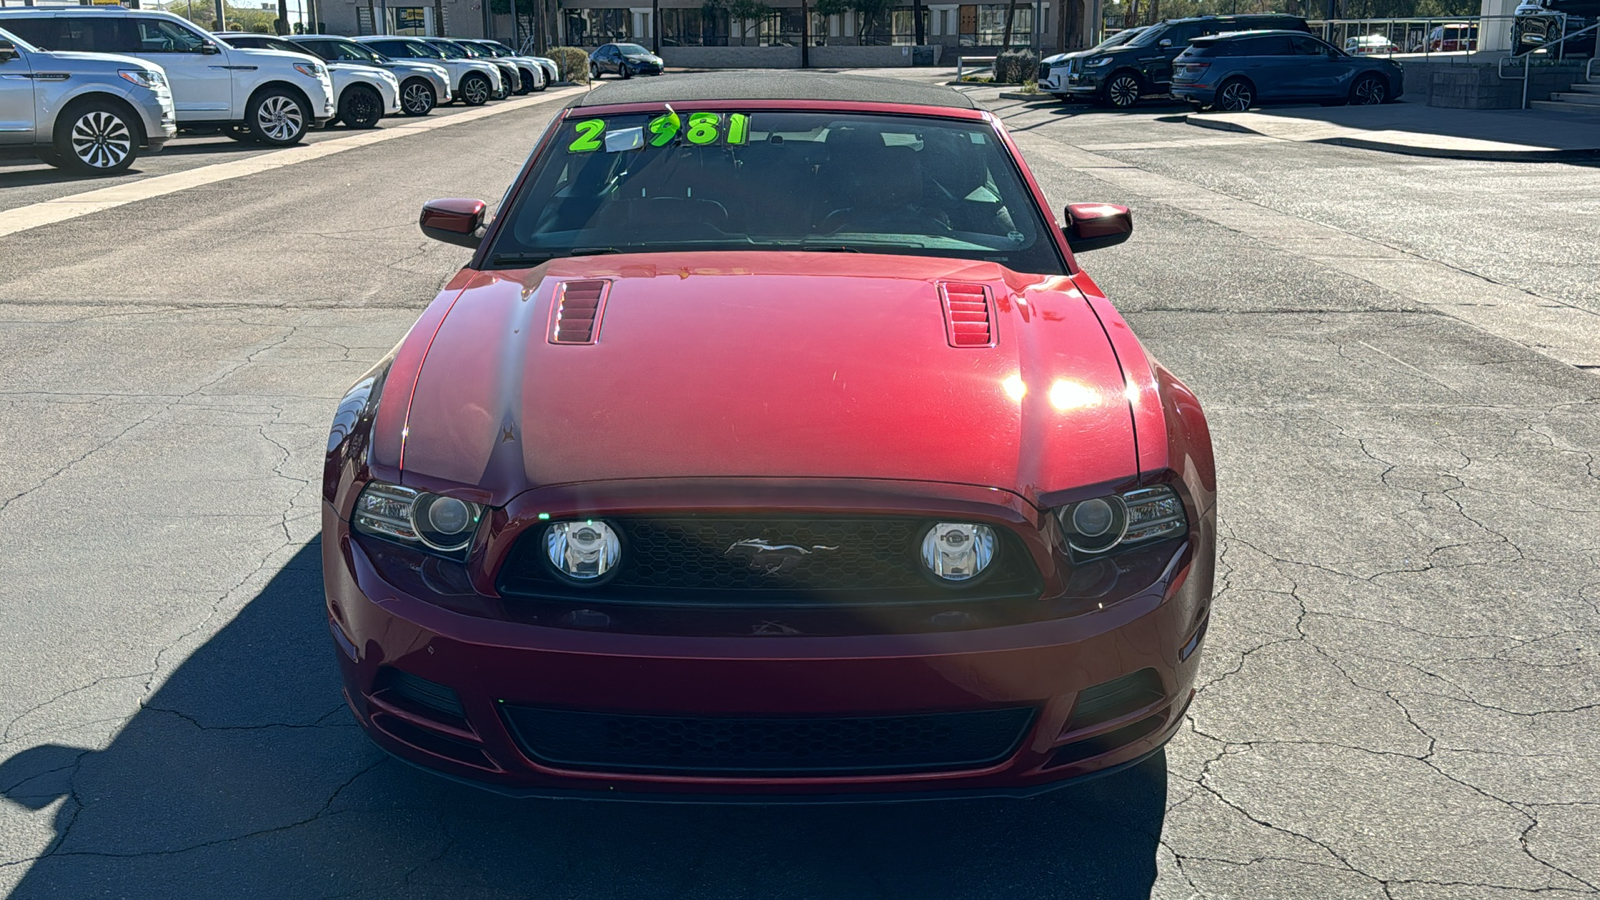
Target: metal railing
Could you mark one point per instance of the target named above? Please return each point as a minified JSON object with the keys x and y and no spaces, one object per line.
{"x":961,"y":66}
{"x":1527,"y":56}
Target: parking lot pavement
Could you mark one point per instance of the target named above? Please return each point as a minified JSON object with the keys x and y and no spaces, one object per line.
{"x":1399,"y":681}
{"x":24,"y":181}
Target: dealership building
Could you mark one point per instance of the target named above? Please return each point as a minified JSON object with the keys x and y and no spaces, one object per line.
{"x":693,"y":34}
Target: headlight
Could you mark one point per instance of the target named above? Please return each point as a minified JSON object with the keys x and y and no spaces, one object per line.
{"x":583,"y":551}
{"x":411,"y":516}
{"x":145,"y":78}
{"x":310,"y":69}
{"x":1097,"y":62}
{"x":1139,"y":516}
{"x":955,"y":552}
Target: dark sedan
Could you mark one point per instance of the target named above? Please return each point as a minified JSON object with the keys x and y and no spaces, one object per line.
{"x":624,"y":60}
{"x":1236,"y":71}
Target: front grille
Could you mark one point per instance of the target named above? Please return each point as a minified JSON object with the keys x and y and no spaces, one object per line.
{"x":769,"y":746}
{"x":1044,"y":71}
{"x":716,"y":561}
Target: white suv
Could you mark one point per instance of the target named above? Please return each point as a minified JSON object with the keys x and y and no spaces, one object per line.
{"x":363,"y":94}
{"x":274,"y":96}
{"x":472,"y":81}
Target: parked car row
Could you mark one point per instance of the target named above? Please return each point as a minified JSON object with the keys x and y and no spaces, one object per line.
{"x":88,"y":88}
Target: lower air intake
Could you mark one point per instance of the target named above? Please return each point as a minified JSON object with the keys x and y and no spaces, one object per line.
{"x":792,"y":747}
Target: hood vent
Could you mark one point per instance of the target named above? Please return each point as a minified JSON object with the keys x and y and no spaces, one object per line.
{"x":575,"y":317}
{"x":968,"y":315}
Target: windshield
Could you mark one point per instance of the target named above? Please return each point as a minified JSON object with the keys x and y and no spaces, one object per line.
{"x":632,"y":50}
{"x":1120,"y":38}
{"x":1147,"y":36}
{"x":777,"y":181}
{"x":426,"y":51}
{"x":360,"y":52}
{"x":497,"y":49}
{"x":450,"y":51}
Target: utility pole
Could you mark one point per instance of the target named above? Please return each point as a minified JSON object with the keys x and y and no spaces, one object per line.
{"x":283,"y":16}
{"x":916,"y":19}
{"x":805,"y":35}
{"x":655,"y":27}
{"x":222,"y":18}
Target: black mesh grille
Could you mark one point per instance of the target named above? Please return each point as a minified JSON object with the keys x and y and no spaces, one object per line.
{"x":716,"y":561}
{"x":772,"y":746}
{"x":1117,"y":697}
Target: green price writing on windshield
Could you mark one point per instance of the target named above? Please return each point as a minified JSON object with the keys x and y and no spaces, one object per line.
{"x":700,"y":129}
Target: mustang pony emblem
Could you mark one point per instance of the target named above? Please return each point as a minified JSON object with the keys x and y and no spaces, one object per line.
{"x":772,"y":559}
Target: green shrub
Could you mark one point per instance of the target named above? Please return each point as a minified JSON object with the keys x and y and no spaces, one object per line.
{"x":1015,"y":67}
{"x":573,"y":63}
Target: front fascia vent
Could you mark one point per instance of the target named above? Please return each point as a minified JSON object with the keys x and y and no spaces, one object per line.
{"x":575,"y":315}
{"x":969,"y":319}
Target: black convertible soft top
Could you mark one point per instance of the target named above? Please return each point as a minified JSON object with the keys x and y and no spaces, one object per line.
{"x":786,"y":86}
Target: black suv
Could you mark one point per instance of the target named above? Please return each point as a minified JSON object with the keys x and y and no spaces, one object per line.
{"x":1119,"y":74}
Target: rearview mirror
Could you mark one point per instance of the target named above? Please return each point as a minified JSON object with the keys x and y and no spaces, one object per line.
{"x":210,"y":49}
{"x":7,"y":50}
{"x":454,"y":221}
{"x":1164,"y":43}
{"x":1091,"y":226}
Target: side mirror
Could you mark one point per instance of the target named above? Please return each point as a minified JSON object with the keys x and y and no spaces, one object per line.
{"x":210,"y":49}
{"x":454,"y":221}
{"x":1164,"y":43}
{"x":7,"y":50}
{"x":1091,"y":226}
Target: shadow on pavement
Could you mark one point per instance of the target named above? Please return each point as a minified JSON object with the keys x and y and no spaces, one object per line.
{"x":244,"y":776}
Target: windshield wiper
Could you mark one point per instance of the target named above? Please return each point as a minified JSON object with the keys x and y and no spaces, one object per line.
{"x":522,"y":259}
{"x":829,"y":248}
{"x":590,"y":251}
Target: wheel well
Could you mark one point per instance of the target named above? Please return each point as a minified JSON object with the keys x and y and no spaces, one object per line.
{"x":1137,"y":76}
{"x":256,"y":95}
{"x":362,"y":87}
{"x":418,"y":79}
{"x":135,"y":121}
{"x":1240,"y":78}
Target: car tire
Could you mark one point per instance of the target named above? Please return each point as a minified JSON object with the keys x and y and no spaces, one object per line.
{"x":503,"y":92}
{"x":1369,"y":90}
{"x":543,"y":82}
{"x":524,"y":82}
{"x":277,"y":117}
{"x":95,"y":137}
{"x":624,"y":71}
{"x":594,"y":72}
{"x":417,"y":97}
{"x":1234,"y":95}
{"x":475,"y":89}
{"x":360,"y":107}
{"x":1122,"y":90}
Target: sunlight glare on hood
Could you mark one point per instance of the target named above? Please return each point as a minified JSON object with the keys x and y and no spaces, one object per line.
{"x":1065,"y":395}
{"x":1015,"y":389}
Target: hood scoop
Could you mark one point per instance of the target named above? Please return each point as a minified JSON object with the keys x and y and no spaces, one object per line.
{"x":968,"y":314}
{"x":575,"y":315}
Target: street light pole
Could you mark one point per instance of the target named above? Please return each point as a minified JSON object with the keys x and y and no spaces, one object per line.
{"x":655,"y":27}
{"x":805,"y":35}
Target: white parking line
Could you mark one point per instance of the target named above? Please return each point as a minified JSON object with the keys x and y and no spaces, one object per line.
{"x":62,"y":208}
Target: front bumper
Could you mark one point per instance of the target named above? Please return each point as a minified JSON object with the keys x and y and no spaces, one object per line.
{"x":383,"y":619}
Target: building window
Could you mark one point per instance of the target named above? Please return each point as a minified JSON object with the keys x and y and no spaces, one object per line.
{"x":411,"y":20}
{"x":694,"y":28}
{"x":992,"y":25}
{"x":593,"y":27}
{"x":905,"y":28}
{"x":780,"y":29}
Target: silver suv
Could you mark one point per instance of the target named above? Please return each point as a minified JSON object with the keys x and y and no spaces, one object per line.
{"x":84,"y":112}
{"x":274,"y":97}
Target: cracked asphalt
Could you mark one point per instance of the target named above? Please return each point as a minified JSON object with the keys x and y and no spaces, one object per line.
{"x":1401,"y":686}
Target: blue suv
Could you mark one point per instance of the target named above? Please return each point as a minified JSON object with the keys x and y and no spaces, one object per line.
{"x":1234,"y":72}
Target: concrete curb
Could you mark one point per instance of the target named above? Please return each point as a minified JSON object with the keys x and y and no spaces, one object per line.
{"x":1530,"y":155}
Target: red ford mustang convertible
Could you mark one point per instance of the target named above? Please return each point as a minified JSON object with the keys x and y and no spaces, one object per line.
{"x":770,"y":446}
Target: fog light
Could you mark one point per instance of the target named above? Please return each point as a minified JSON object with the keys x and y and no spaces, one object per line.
{"x":955,"y":552}
{"x":582,"y":551}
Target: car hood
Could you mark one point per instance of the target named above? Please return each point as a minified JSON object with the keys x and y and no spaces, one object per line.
{"x":98,"y":62}
{"x":284,"y":55}
{"x":765,"y":365}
